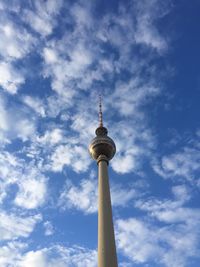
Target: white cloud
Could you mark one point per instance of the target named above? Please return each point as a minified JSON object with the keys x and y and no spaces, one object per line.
{"x":124,"y":164}
{"x":73,"y":155}
{"x":15,"y":254}
{"x":32,"y":190}
{"x":14,"y":226}
{"x":3,"y":118}
{"x":49,"y":230}
{"x":147,"y":12}
{"x":129,"y":96}
{"x":135,"y":25}
{"x":33,"y":259}
{"x":10,"y":79}
{"x":15,"y":123}
{"x":181,"y":193}
{"x":84,"y":197}
{"x":83,"y":121}
{"x":59,"y":256}
{"x":148,"y":35}
{"x":39,"y":24}
{"x":31,"y":183}
{"x":122,"y":196}
{"x":50,"y":55}
{"x":143,"y":242}
{"x":137,"y":240}
{"x":172,"y":211}
{"x":168,"y":235}
{"x":51,"y":137}
{"x":36,"y":104}
{"x":9,"y":166}
{"x":10,"y":253}
{"x":183,"y":163}
{"x":56,"y":105}
{"x":82,"y":15}
{"x":42,"y":16}
{"x":133,"y":142}
{"x":72,"y":56}
{"x":25,"y":128}
{"x":16,"y":42}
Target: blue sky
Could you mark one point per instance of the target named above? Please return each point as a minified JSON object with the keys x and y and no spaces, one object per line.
{"x":55,"y":59}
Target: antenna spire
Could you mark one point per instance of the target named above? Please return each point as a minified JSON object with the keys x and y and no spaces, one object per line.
{"x":100,"y":112}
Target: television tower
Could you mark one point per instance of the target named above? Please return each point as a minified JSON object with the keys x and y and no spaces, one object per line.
{"x":102,"y":149}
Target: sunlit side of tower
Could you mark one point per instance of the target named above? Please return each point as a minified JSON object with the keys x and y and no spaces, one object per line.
{"x":102,"y":149}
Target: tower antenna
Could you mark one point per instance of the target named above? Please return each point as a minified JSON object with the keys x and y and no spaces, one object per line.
{"x":100,"y":111}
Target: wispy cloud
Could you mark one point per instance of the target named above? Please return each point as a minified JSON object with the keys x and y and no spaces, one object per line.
{"x":171,"y":243}
{"x":75,"y":156}
{"x":16,"y":41}
{"x":49,"y":230}
{"x":15,"y":123}
{"x":11,"y":78}
{"x":32,"y":190}
{"x":14,"y":226}
{"x":146,"y":33}
{"x":16,"y":254}
{"x":31,"y":183}
{"x":84,"y":197}
{"x":182,"y":163}
{"x":35,"y":104}
{"x":10,"y":253}
{"x":42,"y":16}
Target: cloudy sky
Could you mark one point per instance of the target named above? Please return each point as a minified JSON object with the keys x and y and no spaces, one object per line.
{"x":56,"y":56}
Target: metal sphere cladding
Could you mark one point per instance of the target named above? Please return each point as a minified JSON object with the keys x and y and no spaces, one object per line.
{"x":102,"y":145}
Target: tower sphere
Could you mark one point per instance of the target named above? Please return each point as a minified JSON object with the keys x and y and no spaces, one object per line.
{"x":102,"y":145}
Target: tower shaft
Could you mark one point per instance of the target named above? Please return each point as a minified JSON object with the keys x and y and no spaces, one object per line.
{"x":107,"y":256}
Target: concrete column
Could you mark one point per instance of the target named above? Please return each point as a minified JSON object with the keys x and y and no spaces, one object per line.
{"x":107,"y":256}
